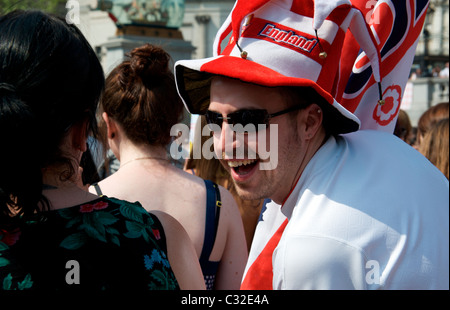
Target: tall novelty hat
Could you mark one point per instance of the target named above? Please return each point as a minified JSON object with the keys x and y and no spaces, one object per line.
{"x":281,"y":43}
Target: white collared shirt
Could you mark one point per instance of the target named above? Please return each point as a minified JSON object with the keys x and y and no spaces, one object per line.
{"x":368,"y":212}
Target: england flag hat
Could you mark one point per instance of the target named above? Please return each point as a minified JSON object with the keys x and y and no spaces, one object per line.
{"x":281,"y":43}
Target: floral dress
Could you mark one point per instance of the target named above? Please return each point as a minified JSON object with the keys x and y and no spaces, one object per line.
{"x":104,"y":244}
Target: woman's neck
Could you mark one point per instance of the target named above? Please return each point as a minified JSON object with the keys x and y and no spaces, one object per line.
{"x":135,"y":153}
{"x":60,"y":176}
{"x":62,"y":192}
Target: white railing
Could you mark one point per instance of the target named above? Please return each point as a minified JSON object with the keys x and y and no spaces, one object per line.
{"x":422,"y":93}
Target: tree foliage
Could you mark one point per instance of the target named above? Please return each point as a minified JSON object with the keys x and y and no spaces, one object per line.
{"x":50,"y":6}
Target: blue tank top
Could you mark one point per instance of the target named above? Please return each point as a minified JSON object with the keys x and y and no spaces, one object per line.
{"x":213,"y":204}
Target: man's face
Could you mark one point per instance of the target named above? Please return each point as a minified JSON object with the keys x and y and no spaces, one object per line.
{"x":252,"y":178}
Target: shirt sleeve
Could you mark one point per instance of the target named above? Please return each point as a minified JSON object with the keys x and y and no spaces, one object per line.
{"x":318,"y":263}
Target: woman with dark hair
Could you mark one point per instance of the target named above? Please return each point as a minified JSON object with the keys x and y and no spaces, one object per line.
{"x":54,"y":234}
{"x":139,"y":107}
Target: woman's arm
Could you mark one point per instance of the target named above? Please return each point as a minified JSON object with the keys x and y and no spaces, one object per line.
{"x":234,"y":257}
{"x":181,"y":253}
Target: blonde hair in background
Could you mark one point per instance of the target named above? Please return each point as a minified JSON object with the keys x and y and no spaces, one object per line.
{"x":430,"y":117}
{"x":435,"y":146}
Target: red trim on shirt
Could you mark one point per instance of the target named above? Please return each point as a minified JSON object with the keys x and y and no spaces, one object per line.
{"x":260,"y":274}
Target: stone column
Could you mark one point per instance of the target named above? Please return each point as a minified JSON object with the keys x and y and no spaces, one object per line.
{"x":203,"y":21}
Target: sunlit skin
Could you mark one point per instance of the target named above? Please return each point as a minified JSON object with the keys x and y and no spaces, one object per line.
{"x":300,"y":135}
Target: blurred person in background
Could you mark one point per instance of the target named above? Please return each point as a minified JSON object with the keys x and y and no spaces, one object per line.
{"x":428,"y":118}
{"x":435,"y":145}
{"x":403,"y":127}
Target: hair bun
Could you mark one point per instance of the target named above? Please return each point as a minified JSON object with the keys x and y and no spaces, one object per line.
{"x":149,"y":62}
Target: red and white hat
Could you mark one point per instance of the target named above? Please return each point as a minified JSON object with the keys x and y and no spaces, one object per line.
{"x":281,"y":43}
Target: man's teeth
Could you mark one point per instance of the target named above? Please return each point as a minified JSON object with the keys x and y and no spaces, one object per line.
{"x":234,"y":164}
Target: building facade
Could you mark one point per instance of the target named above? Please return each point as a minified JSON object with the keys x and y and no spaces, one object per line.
{"x":433,"y":48}
{"x":429,"y":87}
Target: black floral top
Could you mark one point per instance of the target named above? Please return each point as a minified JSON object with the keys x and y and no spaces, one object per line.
{"x":104,"y":244}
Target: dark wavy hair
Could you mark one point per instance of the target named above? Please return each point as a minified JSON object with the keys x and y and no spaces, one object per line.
{"x":50,"y":79}
{"x":140,"y":94}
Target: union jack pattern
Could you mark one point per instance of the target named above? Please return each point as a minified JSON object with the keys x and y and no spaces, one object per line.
{"x":396,"y":25}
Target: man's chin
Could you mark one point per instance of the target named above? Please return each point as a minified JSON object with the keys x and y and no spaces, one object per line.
{"x":246,"y":192}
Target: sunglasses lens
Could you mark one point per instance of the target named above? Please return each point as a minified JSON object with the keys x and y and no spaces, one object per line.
{"x":248,"y":117}
{"x":214,"y":120}
{"x":248,"y":120}
{"x":240,"y":121}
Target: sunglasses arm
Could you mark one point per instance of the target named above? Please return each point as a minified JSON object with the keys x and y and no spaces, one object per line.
{"x":291,"y":109}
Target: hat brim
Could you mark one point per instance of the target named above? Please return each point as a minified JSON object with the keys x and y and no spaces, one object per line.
{"x":193,"y":79}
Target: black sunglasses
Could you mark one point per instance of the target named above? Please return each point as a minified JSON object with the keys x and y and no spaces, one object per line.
{"x":245,"y":117}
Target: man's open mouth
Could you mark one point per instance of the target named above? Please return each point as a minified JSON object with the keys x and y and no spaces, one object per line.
{"x":242,"y":167}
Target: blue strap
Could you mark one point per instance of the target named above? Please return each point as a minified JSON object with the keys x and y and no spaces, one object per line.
{"x":97,"y":189}
{"x":211,"y":222}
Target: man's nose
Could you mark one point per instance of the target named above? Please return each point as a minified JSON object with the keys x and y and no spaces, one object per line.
{"x":224,"y":141}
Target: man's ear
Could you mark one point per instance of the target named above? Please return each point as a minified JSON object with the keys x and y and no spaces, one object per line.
{"x":111,"y":128}
{"x":313,"y":117}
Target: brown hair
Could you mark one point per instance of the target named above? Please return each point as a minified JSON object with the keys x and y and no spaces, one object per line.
{"x":403,"y":127}
{"x":435,"y":145}
{"x":141,"y":95}
{"x":332,"y":122}
{"x":430,"y":117}
{"x":208,"y":169}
